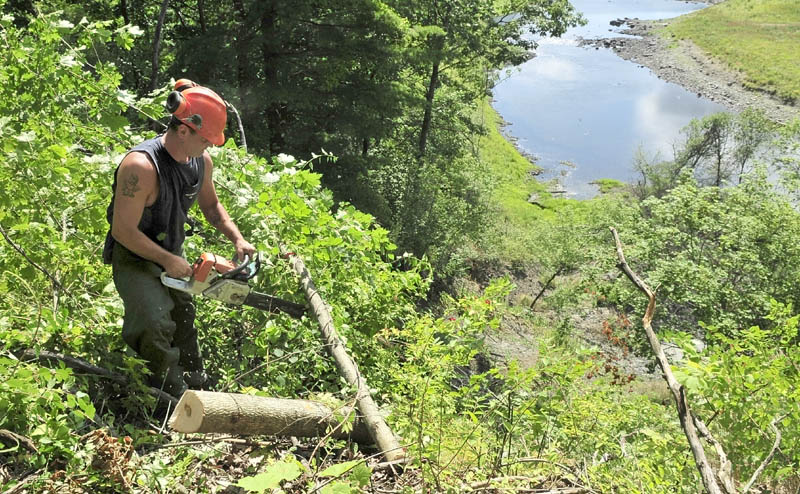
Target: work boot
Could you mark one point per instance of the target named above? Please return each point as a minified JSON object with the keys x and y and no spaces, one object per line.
{"x":195,"y":379}
{"x":171,"y":383}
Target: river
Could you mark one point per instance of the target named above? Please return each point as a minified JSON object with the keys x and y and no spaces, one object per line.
{"x":585,"y":113}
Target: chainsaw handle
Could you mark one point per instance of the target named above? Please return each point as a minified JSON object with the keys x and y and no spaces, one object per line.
{"x":238,"y":269}
{"x":241,"y":267}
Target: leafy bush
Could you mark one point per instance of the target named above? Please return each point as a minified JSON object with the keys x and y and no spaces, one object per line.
{"x":716,"y":255}
{"x":748,"y":386}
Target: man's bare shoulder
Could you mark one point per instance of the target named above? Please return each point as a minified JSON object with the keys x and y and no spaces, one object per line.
{"x":207,"y":159}
{"x":136,"y":174}
{"x":138,"y":162}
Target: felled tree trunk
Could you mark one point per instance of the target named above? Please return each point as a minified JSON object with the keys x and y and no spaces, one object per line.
{"x":230,"y":413}
{"x":373,"y":419}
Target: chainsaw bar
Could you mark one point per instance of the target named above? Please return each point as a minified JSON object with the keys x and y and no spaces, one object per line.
{"x":274,"y":304}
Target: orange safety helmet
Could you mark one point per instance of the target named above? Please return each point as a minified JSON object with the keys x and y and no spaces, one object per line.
{"x":200,"y":108}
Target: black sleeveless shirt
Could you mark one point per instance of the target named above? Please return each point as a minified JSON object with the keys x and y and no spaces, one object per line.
{"x":178,"y":186}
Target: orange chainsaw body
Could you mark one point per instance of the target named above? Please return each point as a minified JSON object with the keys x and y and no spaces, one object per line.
{"x":208,"y":261}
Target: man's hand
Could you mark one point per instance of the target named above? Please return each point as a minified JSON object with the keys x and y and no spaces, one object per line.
{"x":243,"y":247}
{"x":177,"y":267}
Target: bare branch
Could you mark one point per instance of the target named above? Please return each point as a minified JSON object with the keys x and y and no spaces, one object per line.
{"x":725,"y":467}
{"x":44,"y":357}
{"x":678,"y":393}
{"x":16,"y":247}
{"x":560,"y":270}
{"x":768,"y":459}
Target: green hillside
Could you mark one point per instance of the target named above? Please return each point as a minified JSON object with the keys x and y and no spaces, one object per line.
{"x":499,"y":337}
{"x":760,"y":39}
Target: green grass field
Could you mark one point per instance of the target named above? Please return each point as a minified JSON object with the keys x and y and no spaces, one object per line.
{"x":760,"y":38}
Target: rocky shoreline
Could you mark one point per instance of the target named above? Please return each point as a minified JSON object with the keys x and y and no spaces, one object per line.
{"x":683,"y":63}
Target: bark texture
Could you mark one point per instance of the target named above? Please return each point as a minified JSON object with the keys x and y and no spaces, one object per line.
{"x":230,"y":413}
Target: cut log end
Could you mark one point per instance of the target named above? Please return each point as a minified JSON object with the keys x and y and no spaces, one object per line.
{"x":188,"y":414}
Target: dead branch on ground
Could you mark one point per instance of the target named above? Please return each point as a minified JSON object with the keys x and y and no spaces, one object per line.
{"x":46,"y":358}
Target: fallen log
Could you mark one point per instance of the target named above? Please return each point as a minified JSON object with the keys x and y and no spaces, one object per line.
{"x":210,"y":412}
{"x":372,"y":417}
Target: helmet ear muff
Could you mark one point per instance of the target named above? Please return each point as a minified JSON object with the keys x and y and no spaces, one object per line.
{"x":175,"y":102}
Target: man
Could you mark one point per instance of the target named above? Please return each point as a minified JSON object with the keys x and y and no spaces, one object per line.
{"x":154,"y":186}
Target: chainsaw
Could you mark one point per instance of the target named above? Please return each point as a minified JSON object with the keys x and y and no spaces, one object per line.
{"x":217,"y":278}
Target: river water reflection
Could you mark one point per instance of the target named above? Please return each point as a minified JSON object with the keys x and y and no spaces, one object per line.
{"x":584,"y":113}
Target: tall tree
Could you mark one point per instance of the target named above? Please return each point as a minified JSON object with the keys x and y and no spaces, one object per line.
{"x":456,"y":35}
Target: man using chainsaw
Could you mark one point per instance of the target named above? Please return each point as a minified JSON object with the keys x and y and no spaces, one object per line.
{"x":155,"y":185}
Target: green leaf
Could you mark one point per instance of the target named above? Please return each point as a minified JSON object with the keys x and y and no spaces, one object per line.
{"x":271,"y":477}
{"x":336,"y":488}
{"x":85,"y":404}
{"x":114,"y":122}
{"x":361,"y":474}
{"x":339,"y":468}
{"x":58,"y":150}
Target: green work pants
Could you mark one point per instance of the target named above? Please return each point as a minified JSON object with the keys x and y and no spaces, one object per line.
{"x":158,"y":322}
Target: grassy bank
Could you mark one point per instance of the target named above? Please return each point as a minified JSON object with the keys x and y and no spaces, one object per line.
{"x":514,"y":174}
{"x":759,"y":39}
{"x":521,"y":226}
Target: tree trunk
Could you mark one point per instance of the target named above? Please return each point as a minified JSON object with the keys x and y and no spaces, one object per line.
{"x":426,"y":119}
{"x":242,"y":44}
{"x":269,"y":57}
{"x":201,"y":14}
{"x":229,"y":413}
{"x":157,"y":45}
{"x":123,"y":10}
{"x":373,"y":419}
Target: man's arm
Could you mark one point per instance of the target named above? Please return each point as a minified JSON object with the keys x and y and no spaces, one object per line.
{"x":216,"y":214}
{"x":137,"y":185}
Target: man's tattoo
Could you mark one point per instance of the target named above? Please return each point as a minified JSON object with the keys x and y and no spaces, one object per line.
{"x":215,"y":218}
{"x":131,"y":185}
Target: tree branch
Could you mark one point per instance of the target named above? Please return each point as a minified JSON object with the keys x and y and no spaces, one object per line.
{"x":678,"y":393}
{"x":7,"y":436}
{"x":768,"y":459}
{"x":725,"y":467}
{"x":16,"y":247}
{"x":44,"y":357}
{"x":547,"y":285}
